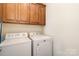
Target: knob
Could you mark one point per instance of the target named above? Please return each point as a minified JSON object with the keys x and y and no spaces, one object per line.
{"x":37,"y":44}
{"x":44,"y":40}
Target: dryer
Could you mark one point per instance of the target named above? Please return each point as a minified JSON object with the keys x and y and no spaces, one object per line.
{"x":16,"y":44}
{"x":42,"y":44}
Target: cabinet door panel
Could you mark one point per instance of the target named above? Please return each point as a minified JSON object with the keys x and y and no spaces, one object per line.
{"x":33,"y":14}
{"x":18,"y":12}
{"x":41,"y":15}
{"x":24,"y":13}
{"x":0,"y":11}
{"x":9,"y":12}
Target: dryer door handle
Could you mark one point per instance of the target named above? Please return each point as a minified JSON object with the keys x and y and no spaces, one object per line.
{"x":0,"y":50}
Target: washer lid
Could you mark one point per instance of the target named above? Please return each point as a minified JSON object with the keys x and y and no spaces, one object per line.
{"x":14,"y":41}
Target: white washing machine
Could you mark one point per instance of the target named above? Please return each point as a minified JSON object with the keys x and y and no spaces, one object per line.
{"x":16,"y":44}
{"x":42,"y":44}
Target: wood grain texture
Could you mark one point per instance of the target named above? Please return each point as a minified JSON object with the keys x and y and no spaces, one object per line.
{"x":9,"y":12}
{"x":33,"y":14}
{"x":0,"y":11}
{"x":42,"y":14}
{"x":24,"y":13}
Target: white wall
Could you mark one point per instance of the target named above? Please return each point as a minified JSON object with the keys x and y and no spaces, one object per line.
{"x":13,"y":28}
{"x":62,"y":23}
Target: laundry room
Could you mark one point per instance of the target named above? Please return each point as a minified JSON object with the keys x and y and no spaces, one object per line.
{"x":39,"y":29}
{"x":23,"y":30}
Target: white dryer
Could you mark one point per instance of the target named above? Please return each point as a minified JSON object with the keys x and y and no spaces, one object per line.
{"x":42,"y":44}
{"x":16,"y":44}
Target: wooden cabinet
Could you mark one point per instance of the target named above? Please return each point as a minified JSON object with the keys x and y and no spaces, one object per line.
{"x":22,"y":13}
{"x":17,"y":12}
{"x":41,"y":14}
{"x":25,"y":13}
{"x":9,"y":12}
{"x":0,"y":11}
{"x":37,"y":14}
{"x":33,"y":14}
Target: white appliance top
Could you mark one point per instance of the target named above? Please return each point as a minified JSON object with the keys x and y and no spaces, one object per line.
{"x":38,"y":36}
{"x":34,"y":33}
{"x":15,"y":38}
{"x":14,"y":41}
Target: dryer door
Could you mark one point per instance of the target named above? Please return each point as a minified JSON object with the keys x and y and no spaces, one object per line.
{"x":44,"y":48}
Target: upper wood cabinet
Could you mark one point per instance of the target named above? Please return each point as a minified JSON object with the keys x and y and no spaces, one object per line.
{"x":41,"y":14}
{"x":17,"y":12}
{"x":37,"y":14}
{"x":0,"y":11}
{"x":33,"y":13}
{"x":9,"y":12}
{"x":26,"y":13}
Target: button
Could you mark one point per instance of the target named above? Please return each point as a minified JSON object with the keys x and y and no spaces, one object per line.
{"x":37,"y":44}
{"x":44,"y":40}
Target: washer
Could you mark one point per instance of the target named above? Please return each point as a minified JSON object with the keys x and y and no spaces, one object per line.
{"x":16,"y":44}
{"x":42,"y":44}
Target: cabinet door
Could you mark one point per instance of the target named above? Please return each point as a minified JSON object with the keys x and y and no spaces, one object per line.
{"x":33,"y":14}
{"x":18,"y":12}
{"x":9,"y":12}
{"x":24,"y":13}
{"x":0,"y":11}
{"x":42,"y":14}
